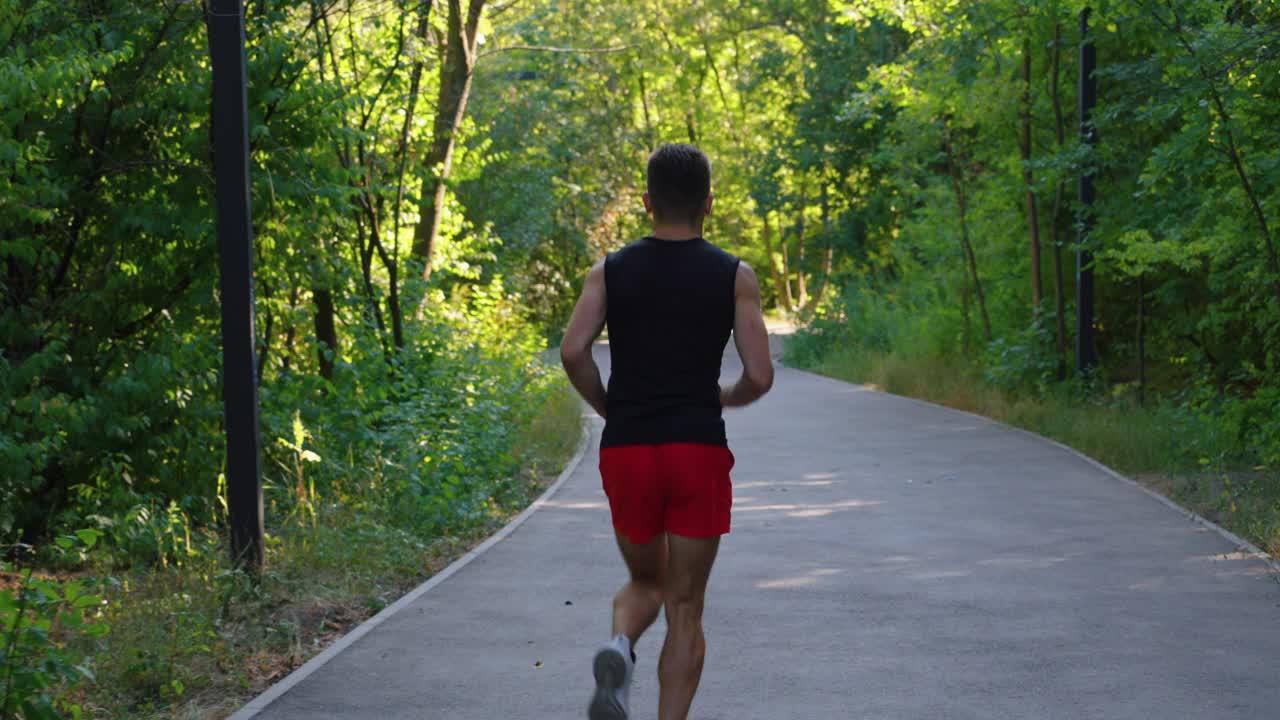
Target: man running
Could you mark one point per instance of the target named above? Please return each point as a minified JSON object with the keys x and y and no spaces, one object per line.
{"x":670,"y":301}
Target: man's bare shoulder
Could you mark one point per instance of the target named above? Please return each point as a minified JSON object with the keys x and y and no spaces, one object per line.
{"x":746,"y":280}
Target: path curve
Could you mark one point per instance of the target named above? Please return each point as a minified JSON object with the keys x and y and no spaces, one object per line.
{"x":889,"y":559}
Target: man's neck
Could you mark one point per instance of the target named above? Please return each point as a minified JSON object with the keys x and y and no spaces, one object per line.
{"x":675,"y":232}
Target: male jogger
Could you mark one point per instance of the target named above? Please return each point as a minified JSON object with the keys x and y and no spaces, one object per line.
{"x":670,"y":301}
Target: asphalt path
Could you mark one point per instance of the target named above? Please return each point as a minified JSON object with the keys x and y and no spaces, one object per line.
{"x":889,"y":559}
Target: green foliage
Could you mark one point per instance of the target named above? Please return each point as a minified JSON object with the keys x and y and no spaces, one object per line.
{"x":154,"y":533}
{"x":1188,"y":278}
{"x":109,"y":335}
{"x":1023,"y":362}
{"x":392,"y":407}
{"x":869,"y":164}
{"x":40,"y":619}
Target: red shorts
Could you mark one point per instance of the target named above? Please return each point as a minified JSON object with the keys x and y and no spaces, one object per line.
{"x":681,"y":488}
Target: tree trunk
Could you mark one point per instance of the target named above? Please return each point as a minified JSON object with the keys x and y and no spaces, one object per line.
{"x":828,"y":252}
{"x":973,"y":268}
{"x":787,"y":301}
{"x":372,"y":309}
{"x":966,"y":246}
{"x":325,"y":316}
{"x":1059,"y":289}
{"x":290,"y":331}
{"x":1033,"y":220}
{"x":326,"y":331}
{"x":965,"y":302}
{"x":265,"y":353}
{"x":778,"y":281}
{"x":451,"y":107}
{"x":648,"y":120}
{"x":802,"y":294}
{"x":828,"y":259}
{"x":1142,"y":340}
{"x":402,"y":150}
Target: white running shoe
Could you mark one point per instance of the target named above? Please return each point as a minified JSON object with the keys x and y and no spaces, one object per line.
{"x":613,"y":667}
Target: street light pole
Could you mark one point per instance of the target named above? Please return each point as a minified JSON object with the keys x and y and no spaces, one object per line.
{"x":235,"y":242}
{"x":1085,"y":356}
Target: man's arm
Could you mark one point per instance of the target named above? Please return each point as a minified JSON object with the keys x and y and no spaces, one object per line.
{"x":752,"y":339}
{"x":584,"y":327}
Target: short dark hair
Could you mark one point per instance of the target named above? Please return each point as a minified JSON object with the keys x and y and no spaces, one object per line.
{"x":679,"y":181}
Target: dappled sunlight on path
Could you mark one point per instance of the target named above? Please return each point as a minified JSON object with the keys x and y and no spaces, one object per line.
{"x":888,"y":560}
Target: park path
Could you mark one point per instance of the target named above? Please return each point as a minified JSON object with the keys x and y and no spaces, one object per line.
{"x":889,"y":560}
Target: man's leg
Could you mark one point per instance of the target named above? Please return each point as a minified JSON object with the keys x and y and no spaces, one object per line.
{"x":689,"y":562}
{"x":636,"y":605}
{"x":634,"y":609}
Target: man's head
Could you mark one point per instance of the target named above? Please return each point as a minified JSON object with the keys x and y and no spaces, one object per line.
{"x":679,"y":185}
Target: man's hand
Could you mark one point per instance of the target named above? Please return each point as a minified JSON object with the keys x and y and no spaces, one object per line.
{"x":584,"y":327}
{"x":752,"y":340}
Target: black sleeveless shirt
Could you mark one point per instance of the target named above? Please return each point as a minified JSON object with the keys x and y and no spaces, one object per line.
{"x":669,"y":309}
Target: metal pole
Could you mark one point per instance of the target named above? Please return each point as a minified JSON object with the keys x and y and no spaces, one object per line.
{"x":1085,"y":357}
{"x":235,"y":242}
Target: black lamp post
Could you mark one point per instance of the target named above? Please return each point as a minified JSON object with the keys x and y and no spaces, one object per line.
{"x":235,"y":241}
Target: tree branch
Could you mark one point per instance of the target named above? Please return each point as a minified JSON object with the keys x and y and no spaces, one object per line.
{"x":496,"y":10}
{"x":130,"y":328}
{"x":549,"y":49}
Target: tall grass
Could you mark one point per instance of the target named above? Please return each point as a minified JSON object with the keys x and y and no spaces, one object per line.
{"x":198,"y":639}
{"x":1127,"y":437}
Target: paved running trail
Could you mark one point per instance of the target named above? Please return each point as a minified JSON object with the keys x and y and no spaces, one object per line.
{"x":889,"y":560}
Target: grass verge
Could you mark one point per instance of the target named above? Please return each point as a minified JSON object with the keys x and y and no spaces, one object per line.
{"x":197,"y":640}
{"x":1155,"y":444}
